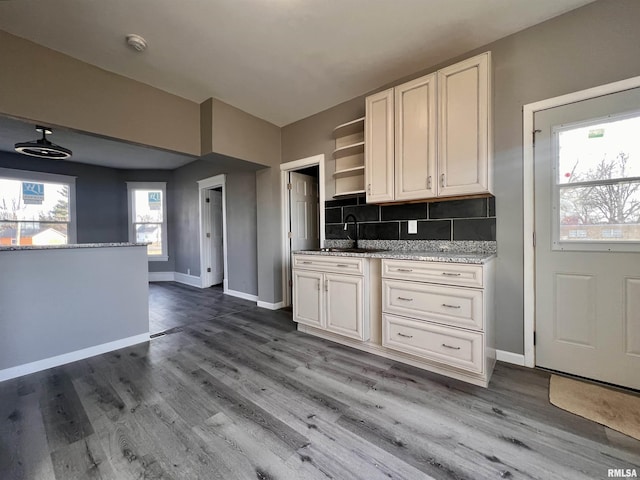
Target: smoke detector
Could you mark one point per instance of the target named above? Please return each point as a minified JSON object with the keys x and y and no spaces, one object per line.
{"x":42,"y":147}
{"x":136,"y":42}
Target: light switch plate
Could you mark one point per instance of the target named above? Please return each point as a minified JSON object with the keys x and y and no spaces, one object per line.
{"x":412,"y":227}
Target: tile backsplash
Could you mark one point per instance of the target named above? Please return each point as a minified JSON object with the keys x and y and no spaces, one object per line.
{"x":470,"y":219}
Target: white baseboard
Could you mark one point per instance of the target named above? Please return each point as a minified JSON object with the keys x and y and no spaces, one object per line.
{"x":27,"y":368}
{"x":509,"y":357}
{"x":246,"y":296}
{"x":162,"y":276}
{"x":191,"y":280}
{"x":270,"y":306}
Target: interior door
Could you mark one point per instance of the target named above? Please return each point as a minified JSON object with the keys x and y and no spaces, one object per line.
{"x":217,"y":255}
{"x":305,"y":233}
{"x":587,"y":224}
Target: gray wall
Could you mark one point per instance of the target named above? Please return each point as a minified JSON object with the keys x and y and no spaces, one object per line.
{"x":241,"y":219}
{"x":590,"y":46}
{"x":101,"y":196}
{"x":60,"y":301}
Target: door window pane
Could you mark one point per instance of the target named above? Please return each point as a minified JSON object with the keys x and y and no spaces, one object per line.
{"x":597,"y":191}
{"x":600,"y":151}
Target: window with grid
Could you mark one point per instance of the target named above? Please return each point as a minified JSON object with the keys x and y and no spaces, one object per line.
{"x":148,"y":217}
{"x":597,"y":184}
{"x":36,"y":208}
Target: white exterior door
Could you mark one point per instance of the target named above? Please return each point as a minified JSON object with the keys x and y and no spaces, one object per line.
{"x":344,"y":301}
{"x":307,"y":302}
{"x":217,"y":255}
{"x":587,"y":224}
{"x":305,"y":234}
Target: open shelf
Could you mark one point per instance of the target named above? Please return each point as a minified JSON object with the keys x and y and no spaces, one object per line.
{"x":349,"y":171}
{"x":344,"y":194}
{"x":348,"y":149}
{"x":349,"y":158}
{"x":349,"y":128}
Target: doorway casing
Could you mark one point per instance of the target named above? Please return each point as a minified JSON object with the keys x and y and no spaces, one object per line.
{"x":528,"y":115}
{"x":285,"y":168}
{"x":204,"y":185}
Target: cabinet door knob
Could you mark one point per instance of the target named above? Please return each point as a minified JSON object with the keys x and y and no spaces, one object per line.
{"x":405,"y":270}
{"x":369,"y":189}
{"x":442,"y":180}
{"x":342,"y":265}
{"x":449,"y":346}
{"x":326,"y":285}
{"x":405,"y":299}
{"x":429,"y":182}
{"x":447,"y":274}
{"x":405,"y":336}
{"x":450,"y":306}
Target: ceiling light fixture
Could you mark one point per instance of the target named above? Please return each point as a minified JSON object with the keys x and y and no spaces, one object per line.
{"x":42,"y":147}
{"x":136,"y":42}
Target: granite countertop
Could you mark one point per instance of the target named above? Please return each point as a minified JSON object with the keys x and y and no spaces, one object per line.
{"x":69,"y":246}
{"x":445,"y":257}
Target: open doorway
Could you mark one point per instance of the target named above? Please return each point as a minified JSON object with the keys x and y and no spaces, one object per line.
{"x":213,"y":232}
{"x":303,"y":212}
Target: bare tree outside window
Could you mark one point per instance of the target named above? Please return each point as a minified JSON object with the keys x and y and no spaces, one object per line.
{"x":608,"y":203}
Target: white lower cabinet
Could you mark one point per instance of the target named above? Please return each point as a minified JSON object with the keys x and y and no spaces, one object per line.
{"x":307,"y":298}
{"x":335,"y":302}
{"x":442,"y":313}
{"x":434,"y":315}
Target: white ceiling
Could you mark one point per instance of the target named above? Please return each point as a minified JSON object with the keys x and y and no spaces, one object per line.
{"x":281,"y":60}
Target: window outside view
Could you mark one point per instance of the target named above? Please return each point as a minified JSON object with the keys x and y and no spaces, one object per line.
{"x":598,"y":182}
{"x":148,"y":213}
{"x":33,"y":213}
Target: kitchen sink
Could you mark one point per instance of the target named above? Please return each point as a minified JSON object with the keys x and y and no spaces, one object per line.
{"x":353,"y":250}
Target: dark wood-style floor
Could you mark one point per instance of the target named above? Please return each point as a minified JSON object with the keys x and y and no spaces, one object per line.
{"x":235,"y":392}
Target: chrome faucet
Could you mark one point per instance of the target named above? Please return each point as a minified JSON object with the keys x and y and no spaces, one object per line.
{"x":355,"y":222}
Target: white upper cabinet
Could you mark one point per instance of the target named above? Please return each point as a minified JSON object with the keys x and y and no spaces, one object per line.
{"x":463,"y":133}
{"x":431,"y":137}
{"x":415,"y":139}
{"x":378,"y":147}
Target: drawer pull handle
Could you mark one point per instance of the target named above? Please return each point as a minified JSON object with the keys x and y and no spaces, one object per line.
{"x":405,"y":336}
{"x":449,"y":346}
{"x":307,"y":263}
{"x":405,"y":299}
{"x":447,"y":274}
{"x":342,"y":265}
{"x":405,"y":270}
{"x":450,"y":306}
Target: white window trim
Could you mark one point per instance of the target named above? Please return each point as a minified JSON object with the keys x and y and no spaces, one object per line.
{"x":29,"y":176}
{"x":131,"y":186}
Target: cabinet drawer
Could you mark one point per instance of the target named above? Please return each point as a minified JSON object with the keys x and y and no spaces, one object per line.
{"x":460,"y":307}
{"x":330,"y":263}
{"x":458,"y":348}
{"x":435,"y":272}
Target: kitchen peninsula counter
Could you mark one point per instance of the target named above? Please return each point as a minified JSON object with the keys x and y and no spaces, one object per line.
{"x":61,"y":303}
